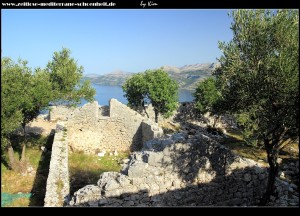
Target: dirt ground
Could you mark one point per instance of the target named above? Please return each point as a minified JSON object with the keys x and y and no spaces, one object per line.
{"x":40,"y":126}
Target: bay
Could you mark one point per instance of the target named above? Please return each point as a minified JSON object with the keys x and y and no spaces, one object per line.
{"x":105,"y":93}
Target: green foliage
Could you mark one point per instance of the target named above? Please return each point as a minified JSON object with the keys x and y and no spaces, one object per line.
{"x":154,"y":86}
{"x":25,"y":93}
{"x":206,"y":95}
{"x":65,"y":76}
{"x":249,"y":127}
{"x":38,"y":91}
{"x":14,"y":78}
{"x":135,"y":90}
{"x":162,"y":91}
{"x":258,"y":77}
{"x":259,"y":70}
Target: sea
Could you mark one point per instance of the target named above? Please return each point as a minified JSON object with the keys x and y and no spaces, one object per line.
{"x":105,"y":93}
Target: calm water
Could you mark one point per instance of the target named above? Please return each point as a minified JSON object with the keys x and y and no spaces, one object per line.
{"x":105,"y":93}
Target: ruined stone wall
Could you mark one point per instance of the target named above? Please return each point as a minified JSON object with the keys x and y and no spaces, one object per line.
{"x":58,"y":186}
{"x":92,"y":128}
{"x":60,"y":113}
{"x":150,"y":130}
{"x":130,"y":123}
{"x":181,"y":171}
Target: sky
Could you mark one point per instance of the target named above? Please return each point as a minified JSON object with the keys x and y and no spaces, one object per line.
{"x":104,"y":41}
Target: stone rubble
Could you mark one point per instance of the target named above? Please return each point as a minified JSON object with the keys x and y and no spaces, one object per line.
{"x":183,"y":170}
{"x":189,"y":168}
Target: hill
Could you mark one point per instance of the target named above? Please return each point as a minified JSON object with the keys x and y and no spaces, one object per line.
{"x":187,"y":76}
{"x":116,"y":78}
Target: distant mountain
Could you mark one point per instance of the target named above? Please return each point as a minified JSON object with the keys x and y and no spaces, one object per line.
{"x":115,"y":78}
{"x":187,"y":76}
{"x":91,"y":75}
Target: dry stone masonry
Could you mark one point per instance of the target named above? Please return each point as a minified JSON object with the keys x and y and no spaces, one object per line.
{"x":58,"y":186}
{"x":181,"y":171}
{"x":189,"y":168}
{"x":92,"y":128}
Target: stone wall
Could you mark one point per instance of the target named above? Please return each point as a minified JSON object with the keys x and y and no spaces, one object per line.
{"x":92,"y":128}
{"x":58,"y":187}
{"x":60,"y":112}
{"x":181,"y":171}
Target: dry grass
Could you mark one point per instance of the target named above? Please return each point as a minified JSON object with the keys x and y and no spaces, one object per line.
{"x":21,"y":183}
{"x":169,"y":127}
{"x":235,"y":142}
{"x":13,"y":182}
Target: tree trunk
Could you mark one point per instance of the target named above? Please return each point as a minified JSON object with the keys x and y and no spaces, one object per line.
{"x":11,"y":157}
{"x":24,"y":125}
{"x":145,"y":110}
{"x":216,"y":119}
{"x":156,"y":115}
{"x":19,"y":166}
{"x":23,"y":156}
{"x":273,"y":171}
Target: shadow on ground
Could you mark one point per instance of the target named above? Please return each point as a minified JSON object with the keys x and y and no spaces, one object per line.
{"x":39,"y":186}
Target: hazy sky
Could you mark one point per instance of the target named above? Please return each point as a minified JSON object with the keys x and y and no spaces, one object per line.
{"x":108,"y":40}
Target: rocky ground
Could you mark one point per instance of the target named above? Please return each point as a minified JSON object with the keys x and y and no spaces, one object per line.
{"x":166,"y":173}
{"x":289,"y":167}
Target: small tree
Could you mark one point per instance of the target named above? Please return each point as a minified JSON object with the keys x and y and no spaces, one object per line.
{"x":259,"y":76}
{"x":154,"y":86}
{"x":24,"y":94}
{"x":14,"y":78}
{"x":206,"y":96}
{"x":135,"y":90}
{"x":65,"y":77}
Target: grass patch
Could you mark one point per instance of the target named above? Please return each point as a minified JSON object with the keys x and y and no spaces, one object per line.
{"x":235,"y":142}
{"x":169,"y":128}
{"x":86,"y":169}
{"x":13,"y":182}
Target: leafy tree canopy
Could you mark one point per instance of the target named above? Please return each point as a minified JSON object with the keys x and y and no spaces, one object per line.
{"x":259,"y":77}
{"x":65,"y":77}
{"x":206,"y":95}
{"x":154,"y":86}
{"x":25,"y":93}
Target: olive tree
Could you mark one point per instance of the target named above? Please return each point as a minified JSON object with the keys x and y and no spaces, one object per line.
{"x":154,"y":86}
{"x":65,"y":77}
{"x":259,"y":77}
{"x":25,"y":93}
{"x":207,"y":96}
